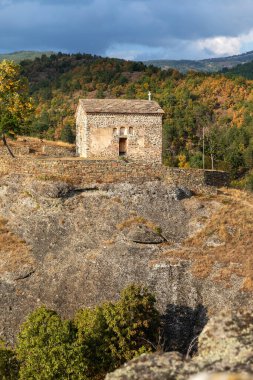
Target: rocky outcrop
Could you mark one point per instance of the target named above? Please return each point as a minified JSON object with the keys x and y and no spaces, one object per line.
{"x":226,"y":344}
{"x":144,"y":235}
{"x":56,"y":189}
{"x":75,"y":247}
{"x":222,"y":376}
{"x":168,"y":366}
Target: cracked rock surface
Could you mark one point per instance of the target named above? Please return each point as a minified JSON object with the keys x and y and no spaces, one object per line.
{"x":67,"y":248}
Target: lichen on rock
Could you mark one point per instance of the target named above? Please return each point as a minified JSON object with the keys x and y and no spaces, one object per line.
{"x":225,"y":345}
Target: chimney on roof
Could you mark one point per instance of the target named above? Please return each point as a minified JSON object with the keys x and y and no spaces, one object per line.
{"x":149,"y":96}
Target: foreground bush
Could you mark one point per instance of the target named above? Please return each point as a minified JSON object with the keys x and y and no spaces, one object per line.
{"x":117,"y":332}
{"x":97,"y":341}
{"x":8,"y":363}
{"x":245,"y":183}
{"x":249,"y":182}
{"x":47,"y":348}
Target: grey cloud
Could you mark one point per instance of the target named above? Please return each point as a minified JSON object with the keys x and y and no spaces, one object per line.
{"x":96,"y":25}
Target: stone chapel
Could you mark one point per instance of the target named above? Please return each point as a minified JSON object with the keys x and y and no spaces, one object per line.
{"x":110,"y":128}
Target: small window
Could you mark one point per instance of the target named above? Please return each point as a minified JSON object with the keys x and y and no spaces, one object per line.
{"x":122,"y":131}
{"x":131,"y":131}
{"x":115,"y":131}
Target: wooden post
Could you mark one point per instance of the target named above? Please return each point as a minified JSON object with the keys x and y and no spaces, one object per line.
{"x":203,"y":148}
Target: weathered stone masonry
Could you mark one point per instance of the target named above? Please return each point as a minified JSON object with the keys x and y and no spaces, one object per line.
{"x":107,"y":128}
{"x":44,"y":150}
{"x":85,"y":172}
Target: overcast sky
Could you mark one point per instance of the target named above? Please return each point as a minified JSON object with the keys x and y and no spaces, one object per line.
{"x":131,"y":29}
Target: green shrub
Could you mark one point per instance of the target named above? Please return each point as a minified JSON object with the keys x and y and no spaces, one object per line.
{"x":95,"y":339}
{"x":47,"y":348}
{"x":249,"y":182}
{"x":67,"y":134}
{"x":9,"y":366}
{"x":117,"y":332}
{"x":99,"y":339}
{"x":196,"y":161}
{"x":238,"y":183}
{"x":245,"y":183}
{"x":134,"y":322}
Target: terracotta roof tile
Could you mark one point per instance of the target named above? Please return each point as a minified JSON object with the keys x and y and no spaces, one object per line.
{"x":121,"y":106}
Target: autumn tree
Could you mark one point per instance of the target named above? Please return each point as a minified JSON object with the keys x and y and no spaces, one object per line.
{"x":15,"y":103}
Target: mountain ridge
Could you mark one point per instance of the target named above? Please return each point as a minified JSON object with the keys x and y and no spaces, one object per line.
{"x":203,"y":65}
{"x":182,"y":65}
{"x":18,"y":56}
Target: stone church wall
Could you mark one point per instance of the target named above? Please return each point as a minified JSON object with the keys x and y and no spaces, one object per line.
{"x":81,"y":133}
{"x":103,"y":131}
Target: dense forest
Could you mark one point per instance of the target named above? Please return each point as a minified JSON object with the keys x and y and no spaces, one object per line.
{"x":244,"y":70}
{"x":216,"y":104}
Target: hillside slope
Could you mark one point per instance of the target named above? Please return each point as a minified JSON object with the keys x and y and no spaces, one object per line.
{"x":19,"y":56}
{"x":204,"y":65}
{"x":243,"y":70}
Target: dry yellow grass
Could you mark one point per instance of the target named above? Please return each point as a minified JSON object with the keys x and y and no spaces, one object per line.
{"x":232,"y":226}
{"x":137,"y":220}
{"x":36,"y":141}
{"x":54,"y":177}
{"x":35,"y":144}
{"x":14,"y":252}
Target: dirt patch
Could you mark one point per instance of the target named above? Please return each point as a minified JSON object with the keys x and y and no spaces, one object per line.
{"x":14,"y":252}
{"x":226,"y":241}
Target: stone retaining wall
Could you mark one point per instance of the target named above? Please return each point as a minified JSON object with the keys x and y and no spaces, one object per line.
{"x":58,"y":151}
{"x":17,"y":151}
{"x":81,"y":172}
{"x":197,"y":179}
{"x":30,"y":148}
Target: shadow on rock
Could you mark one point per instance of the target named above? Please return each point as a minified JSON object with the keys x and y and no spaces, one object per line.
{"x":181,"y":326}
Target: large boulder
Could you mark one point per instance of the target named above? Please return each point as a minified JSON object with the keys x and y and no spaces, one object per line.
{"x":144,"y":235}
{"x":168,"y":366}
{"x":225,"y":344}
{"x":49,"y":188}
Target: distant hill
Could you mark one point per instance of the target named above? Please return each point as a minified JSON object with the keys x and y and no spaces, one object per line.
{"x":205,"y":65}
{"x":19,"y":56}
{"x":243,"y":70}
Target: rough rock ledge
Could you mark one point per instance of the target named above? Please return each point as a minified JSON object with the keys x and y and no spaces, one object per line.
{"x":225,"y":345}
